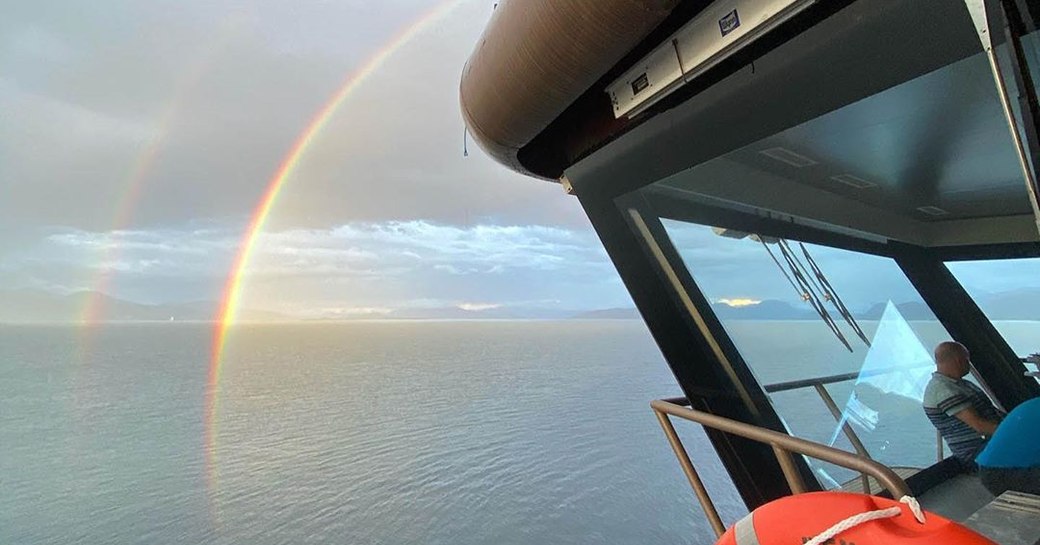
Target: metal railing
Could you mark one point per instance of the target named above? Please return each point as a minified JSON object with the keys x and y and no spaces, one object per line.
{"x":1034,"y":374}
{"x":783,"y":446}
{"x":820,"y":385}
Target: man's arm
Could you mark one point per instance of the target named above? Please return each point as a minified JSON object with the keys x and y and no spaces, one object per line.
{"x":970,"y":417}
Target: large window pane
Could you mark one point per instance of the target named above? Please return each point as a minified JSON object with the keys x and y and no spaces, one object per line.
{"x":1008,"y":292}
{"x":876,"y":384}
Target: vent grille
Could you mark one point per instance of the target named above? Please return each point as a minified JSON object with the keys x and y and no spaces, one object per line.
{"x":789,"y":157}
{"x":853,"y":181}
{"x":932,"y":210}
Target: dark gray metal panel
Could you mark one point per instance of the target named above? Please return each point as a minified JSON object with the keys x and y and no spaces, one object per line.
{"x":893,"y":93}
{"x":837,"y":62}
{"x":989,"y":251}
{"x":1013,"y":518}
{"x":692,"y":212}
{"x":938,"y":140}
{"x":733,"y":183}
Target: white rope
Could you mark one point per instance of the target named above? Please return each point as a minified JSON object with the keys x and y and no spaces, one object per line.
{"x":856,"y":520}
{"x":915,"y":507}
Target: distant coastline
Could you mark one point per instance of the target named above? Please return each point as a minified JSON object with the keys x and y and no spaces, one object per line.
{"x":39,"y":307}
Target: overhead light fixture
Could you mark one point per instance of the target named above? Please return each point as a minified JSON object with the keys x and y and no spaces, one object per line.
{"x":853,"y":181}
{"x":789,"y":157}
{"x":932,"y":210}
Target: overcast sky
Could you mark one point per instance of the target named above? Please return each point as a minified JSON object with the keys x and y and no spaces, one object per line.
{"x":198,"y":101}
{"x":136,"y":138}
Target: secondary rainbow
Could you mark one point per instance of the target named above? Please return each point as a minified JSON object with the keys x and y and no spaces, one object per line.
{"x":232,"y":293}
{"x":141,"y":171}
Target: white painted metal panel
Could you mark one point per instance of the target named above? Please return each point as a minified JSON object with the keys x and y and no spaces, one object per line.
{"x":653,"y":76}
{"x":723,"y":28}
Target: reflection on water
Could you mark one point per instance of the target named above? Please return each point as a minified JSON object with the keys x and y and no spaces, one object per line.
{"x":512,"y":433}
{"x":464,"y":432}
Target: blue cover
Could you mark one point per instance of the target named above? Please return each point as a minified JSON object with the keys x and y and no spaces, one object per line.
{"x":1016,"y":443}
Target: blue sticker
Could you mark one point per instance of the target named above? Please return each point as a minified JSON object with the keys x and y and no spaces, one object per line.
{"x":729,"y":23}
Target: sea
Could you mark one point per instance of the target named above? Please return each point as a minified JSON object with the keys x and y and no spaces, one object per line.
{"x":356,"y":433}
{"x":454,"y":432}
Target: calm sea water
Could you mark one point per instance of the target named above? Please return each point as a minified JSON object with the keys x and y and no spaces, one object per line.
{"x":425,"y":433}
{"x":361,"y":433}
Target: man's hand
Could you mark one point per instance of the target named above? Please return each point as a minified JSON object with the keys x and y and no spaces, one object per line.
{"x":977,"y":423}
{"x":1033,"y":358}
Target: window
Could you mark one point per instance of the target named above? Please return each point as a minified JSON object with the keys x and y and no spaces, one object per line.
{"x":1008,"y":292}
{"x":875,"y":383}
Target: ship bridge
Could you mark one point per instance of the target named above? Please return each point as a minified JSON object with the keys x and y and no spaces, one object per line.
{"x":858,"y":144}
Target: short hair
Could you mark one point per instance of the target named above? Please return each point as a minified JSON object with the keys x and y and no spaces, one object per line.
{"x":948,"y":350}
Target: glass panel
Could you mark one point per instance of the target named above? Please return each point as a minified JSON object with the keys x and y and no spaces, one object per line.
{"x":876,"y":388}
{"x":1008,"y":292}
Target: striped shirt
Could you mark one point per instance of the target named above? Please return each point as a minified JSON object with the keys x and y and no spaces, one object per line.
{"x":944,"y":397}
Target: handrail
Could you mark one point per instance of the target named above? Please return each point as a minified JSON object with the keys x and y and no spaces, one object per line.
{"x":783,"y":445}
{"x":833,"y":379}
{"x":819,"y":383}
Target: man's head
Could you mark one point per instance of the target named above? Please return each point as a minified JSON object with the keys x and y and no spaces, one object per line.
{"x":952,"y":359}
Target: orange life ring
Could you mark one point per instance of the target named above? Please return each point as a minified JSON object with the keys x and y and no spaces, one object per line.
{"x":798,"y":519}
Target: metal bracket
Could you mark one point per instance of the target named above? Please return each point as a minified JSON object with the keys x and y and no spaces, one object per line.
{"x":566,"y":184}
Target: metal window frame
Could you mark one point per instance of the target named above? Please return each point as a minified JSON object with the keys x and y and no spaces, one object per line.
{"x":705,"y":362}
{"x":710,"y":369}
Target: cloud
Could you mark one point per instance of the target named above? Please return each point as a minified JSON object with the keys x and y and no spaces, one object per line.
{"x":352,"y":312}
{"x":477,"y":307}
{"x":358,"y":267}
{"x":739,"y":302}
{"x":214,"y":94}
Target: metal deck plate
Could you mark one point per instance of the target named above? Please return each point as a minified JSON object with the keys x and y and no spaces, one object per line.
{"x":1013,"y":518}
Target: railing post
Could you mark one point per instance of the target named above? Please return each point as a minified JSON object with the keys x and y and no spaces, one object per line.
{"x":782,"y":444}
{"x":691,"y":474}
{"x":847,"y":429}
{"x":794,"y":480}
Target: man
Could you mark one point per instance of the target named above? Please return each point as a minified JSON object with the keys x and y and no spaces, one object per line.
{"x":1011,"y":458}
{"x":957,"y":408}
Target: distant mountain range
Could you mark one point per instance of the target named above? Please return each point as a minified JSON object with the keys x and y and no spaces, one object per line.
{"x":1022,"y":304}
{"x":459,"y":313}
{"x":34,"y":306}
{"x":27,"y":306}
{"x":766,"y":310}
{"x":628,"y":313}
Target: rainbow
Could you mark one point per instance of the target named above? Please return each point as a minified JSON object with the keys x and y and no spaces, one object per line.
{"x":93,"y":309}
{"x":233,"y":287}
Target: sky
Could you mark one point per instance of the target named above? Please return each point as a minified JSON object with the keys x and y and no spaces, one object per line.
{"x":136,"y":139}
